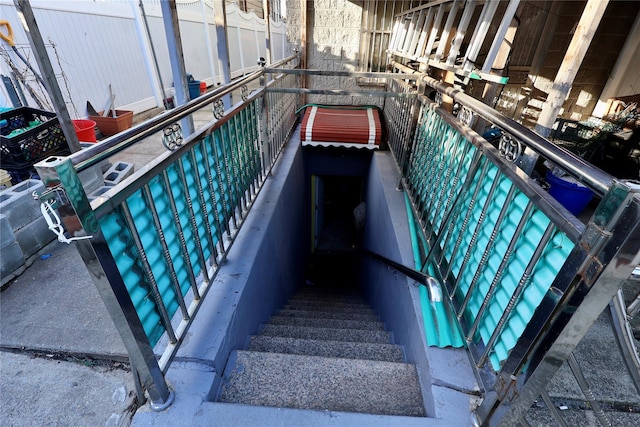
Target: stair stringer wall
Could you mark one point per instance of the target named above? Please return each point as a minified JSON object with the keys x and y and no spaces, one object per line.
{"x":263,"y":268}
{"x":446,"y":377}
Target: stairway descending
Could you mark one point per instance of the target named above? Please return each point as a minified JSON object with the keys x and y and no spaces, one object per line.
{"x":324,"y":350}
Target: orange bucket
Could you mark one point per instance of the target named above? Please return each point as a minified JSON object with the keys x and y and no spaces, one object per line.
{"x":85,"y":130}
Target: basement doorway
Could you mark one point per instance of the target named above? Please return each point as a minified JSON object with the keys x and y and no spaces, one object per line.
{"x":337,"y":217}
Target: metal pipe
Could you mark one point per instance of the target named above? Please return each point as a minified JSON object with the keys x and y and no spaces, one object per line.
{"x":98,"y":152}
{"x":148,"y":197}
{"x":183,"y":242}
{"x":496,"y":280}
{"x":515,"y":296}
{"x":595,"y":178}
{"x":148,"y":272}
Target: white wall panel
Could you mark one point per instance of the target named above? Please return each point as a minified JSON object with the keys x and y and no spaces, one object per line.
{"x":98,"y":44}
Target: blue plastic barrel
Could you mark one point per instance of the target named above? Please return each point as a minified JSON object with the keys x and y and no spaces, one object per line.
{"x":572,"y":196}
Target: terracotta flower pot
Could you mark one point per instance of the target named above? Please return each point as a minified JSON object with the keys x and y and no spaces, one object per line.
{"x":111,"y":125}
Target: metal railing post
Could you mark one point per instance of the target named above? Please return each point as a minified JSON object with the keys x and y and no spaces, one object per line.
{"x":81,"y":223}
{"x":610,"y":250}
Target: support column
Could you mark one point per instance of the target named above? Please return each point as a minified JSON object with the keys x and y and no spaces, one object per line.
{"x":146,"y":45}
{"x":207,"y":37}
{"x":576,"y":51}
{"x":28,"y":19}
{"x":176,"y":57}
{"x":220,"y":19}
{"x":266,"y":7}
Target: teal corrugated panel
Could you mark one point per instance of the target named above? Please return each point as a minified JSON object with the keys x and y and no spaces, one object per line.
{"x":123,"y":250}
{"x":441,"y":327}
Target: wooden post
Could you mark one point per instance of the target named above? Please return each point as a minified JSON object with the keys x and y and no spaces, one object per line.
{"x":580,"y":42}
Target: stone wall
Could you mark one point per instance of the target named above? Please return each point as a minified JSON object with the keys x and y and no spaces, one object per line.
{"x":333,"y":43}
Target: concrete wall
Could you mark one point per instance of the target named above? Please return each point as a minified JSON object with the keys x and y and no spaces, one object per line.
{"x":332,"y":42}
{"x":263,"y":268}
{"x":445,"y":374}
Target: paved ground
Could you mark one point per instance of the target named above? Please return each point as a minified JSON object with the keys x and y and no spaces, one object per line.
{"x":62,"y":360}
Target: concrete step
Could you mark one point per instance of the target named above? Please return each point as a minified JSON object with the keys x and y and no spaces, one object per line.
{"x":322,"y":383}
{"x":336,"y":296}
{"x":331,"y":334}
{"x":341,"y":349}
{"x":335,"y":308}
{"x":315,"y":322}
{"x":330,"y":300}
{"x":329,"y":315}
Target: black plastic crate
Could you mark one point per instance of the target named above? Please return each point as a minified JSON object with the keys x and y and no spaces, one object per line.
{"x":39,"y":142}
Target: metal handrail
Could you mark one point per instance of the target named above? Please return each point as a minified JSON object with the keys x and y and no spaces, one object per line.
{"x":110,"y":146}
{"x":595,"y":178}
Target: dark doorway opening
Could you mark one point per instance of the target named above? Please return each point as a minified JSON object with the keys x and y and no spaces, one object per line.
{"x":336,"y":199}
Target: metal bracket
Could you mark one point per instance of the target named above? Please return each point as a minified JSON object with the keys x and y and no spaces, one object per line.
{"x":218,"y":109}
{"x":509,"y":148}
{"x":55,"y":196}
{"x":593,"y":236}
{"x":172,"y":137}
{"x":591,"y":270}
{"x":507,"y":390}
{"x":50,"y":200}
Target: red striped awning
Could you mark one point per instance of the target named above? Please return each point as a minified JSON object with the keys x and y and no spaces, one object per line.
{"x":358,"y":127}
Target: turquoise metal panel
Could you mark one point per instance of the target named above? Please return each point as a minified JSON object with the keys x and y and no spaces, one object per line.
{"x":439,"y":166}
{"x":179,"y":196}
{"x":122,"y":248}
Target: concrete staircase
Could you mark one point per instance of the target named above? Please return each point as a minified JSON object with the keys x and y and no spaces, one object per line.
{"x":324,"y":350}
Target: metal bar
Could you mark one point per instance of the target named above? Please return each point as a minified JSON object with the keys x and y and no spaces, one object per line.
{"x":146,"y":267}
{"x":476,"y":233}
{"x":241,"y":164}
{"x":467,"y":217}
{"x":593,"y":177}
{"x":371,"y":94}
{"x":227,"y":174}
{"x":496,"y":279}
{"x":586,"y":390}
{"x":487,"y":251}
{"x":221,"y":178}
{"x":203,"y":206}
{"x":110,"y":146}
{"x":598,"y":266}
{"x":465,"y":149}
{"x":183,"y":242}
{"x":524,"y":280}
{"x":212,"y":192}
{"x":105,"y":274}
{"x":165,"y":251}
{"x":309,"y":72}
{"x":192,"y":220}
{"x":25,"y":12}
{"x":553,"y":410}
{"x":625,"y":338}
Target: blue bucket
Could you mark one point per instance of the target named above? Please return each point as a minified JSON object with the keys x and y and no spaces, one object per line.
{"x":194,"y":89}
{"x":572,"y":196}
